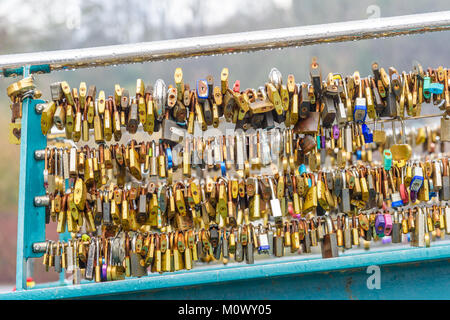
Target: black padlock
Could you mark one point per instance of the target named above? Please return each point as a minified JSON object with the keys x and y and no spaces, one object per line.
{"x":268,"y":122}
{"x":328,"y":113}
{"x":320,"y":211}
{"x":379,"y":103}
{"x":316,"y":78}
{"x":391,"y":105}
{"x":396,"y":230}
{"x":106,"y":213}
{"x":257,"y":119}
{"x":218,"y":249}
{"x":207,"y":112}
{"x":47,"y":214}
{"x":243,"y":124}
{"x":214,"y":235}
{"x":279,"y":118}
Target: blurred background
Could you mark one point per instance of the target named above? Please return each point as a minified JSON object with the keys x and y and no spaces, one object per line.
{"x":29,"y":26}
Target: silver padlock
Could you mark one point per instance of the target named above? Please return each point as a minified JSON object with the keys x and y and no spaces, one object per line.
{"x":171,"y":131}
{"x":265,"y":150}
{"x":444,"y":193}
{"x":160,"y":98}
{"x":264,"y":246}
{"x":341,"y":111}
{"x":209,"y":154}
{"x":447,"y":219}
{"x":230,"y":151}
{"x":89,"y":274}
{"x":176,"y":157}
{"x":275,"y":78}
{"x":217,"y":151}
{"x":69,"y":254}
{"x":275,"y":204}
{"x":348,"y":139}
{"x":347,"y":233}
{"x":239,"y":152}
{"x":65,"y":162}
{"x":275,"y":144}
{"x":56,"y":91}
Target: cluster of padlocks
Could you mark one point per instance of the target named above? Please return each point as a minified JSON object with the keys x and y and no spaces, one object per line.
{"x":299,"y":166}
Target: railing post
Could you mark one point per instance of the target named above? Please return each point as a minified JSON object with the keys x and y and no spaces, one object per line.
{"x":31,"y":219}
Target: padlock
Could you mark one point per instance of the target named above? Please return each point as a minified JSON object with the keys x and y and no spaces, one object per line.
{"x":387,"y":159}
{"x":387,"y":224}
{"x":328,"y":113}
{"x":305,"y":102}
{"x":401,"y":151}
{"x":380,"y":224}
{"x":275,"y":205}
{"x":160,"y":99}
{"x":444,"y":193}
{"x":391,"y":105}
{"x":171,"y":131}
{"x":445,"y":129}
{"x":419,"y":230}
{"x":360,"y":109}
{"x":56,"y":91}
{"x":417,"y":180}
{"x":345,"y":196}
{"x":316,"y":77}
{"x":329,"y":242}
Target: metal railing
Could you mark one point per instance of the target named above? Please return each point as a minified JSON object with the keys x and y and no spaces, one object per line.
{"x":31,"y":214}
{"x":230,"y":43}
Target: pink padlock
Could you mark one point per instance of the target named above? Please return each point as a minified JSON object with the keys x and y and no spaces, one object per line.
{"x":388,"y":224}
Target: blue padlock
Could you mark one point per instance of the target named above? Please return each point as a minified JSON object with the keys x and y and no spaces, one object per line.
{"x":169,"y":158}
{"x":302,"y":169}
{"x":436,"y":88}
{"x":417,"y":179}
{"x":431,"y":87}
{"x":223,"y":168}
{"x":358,"y":155}
{"x":368,"y":136}
{"x":360,"y":110}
